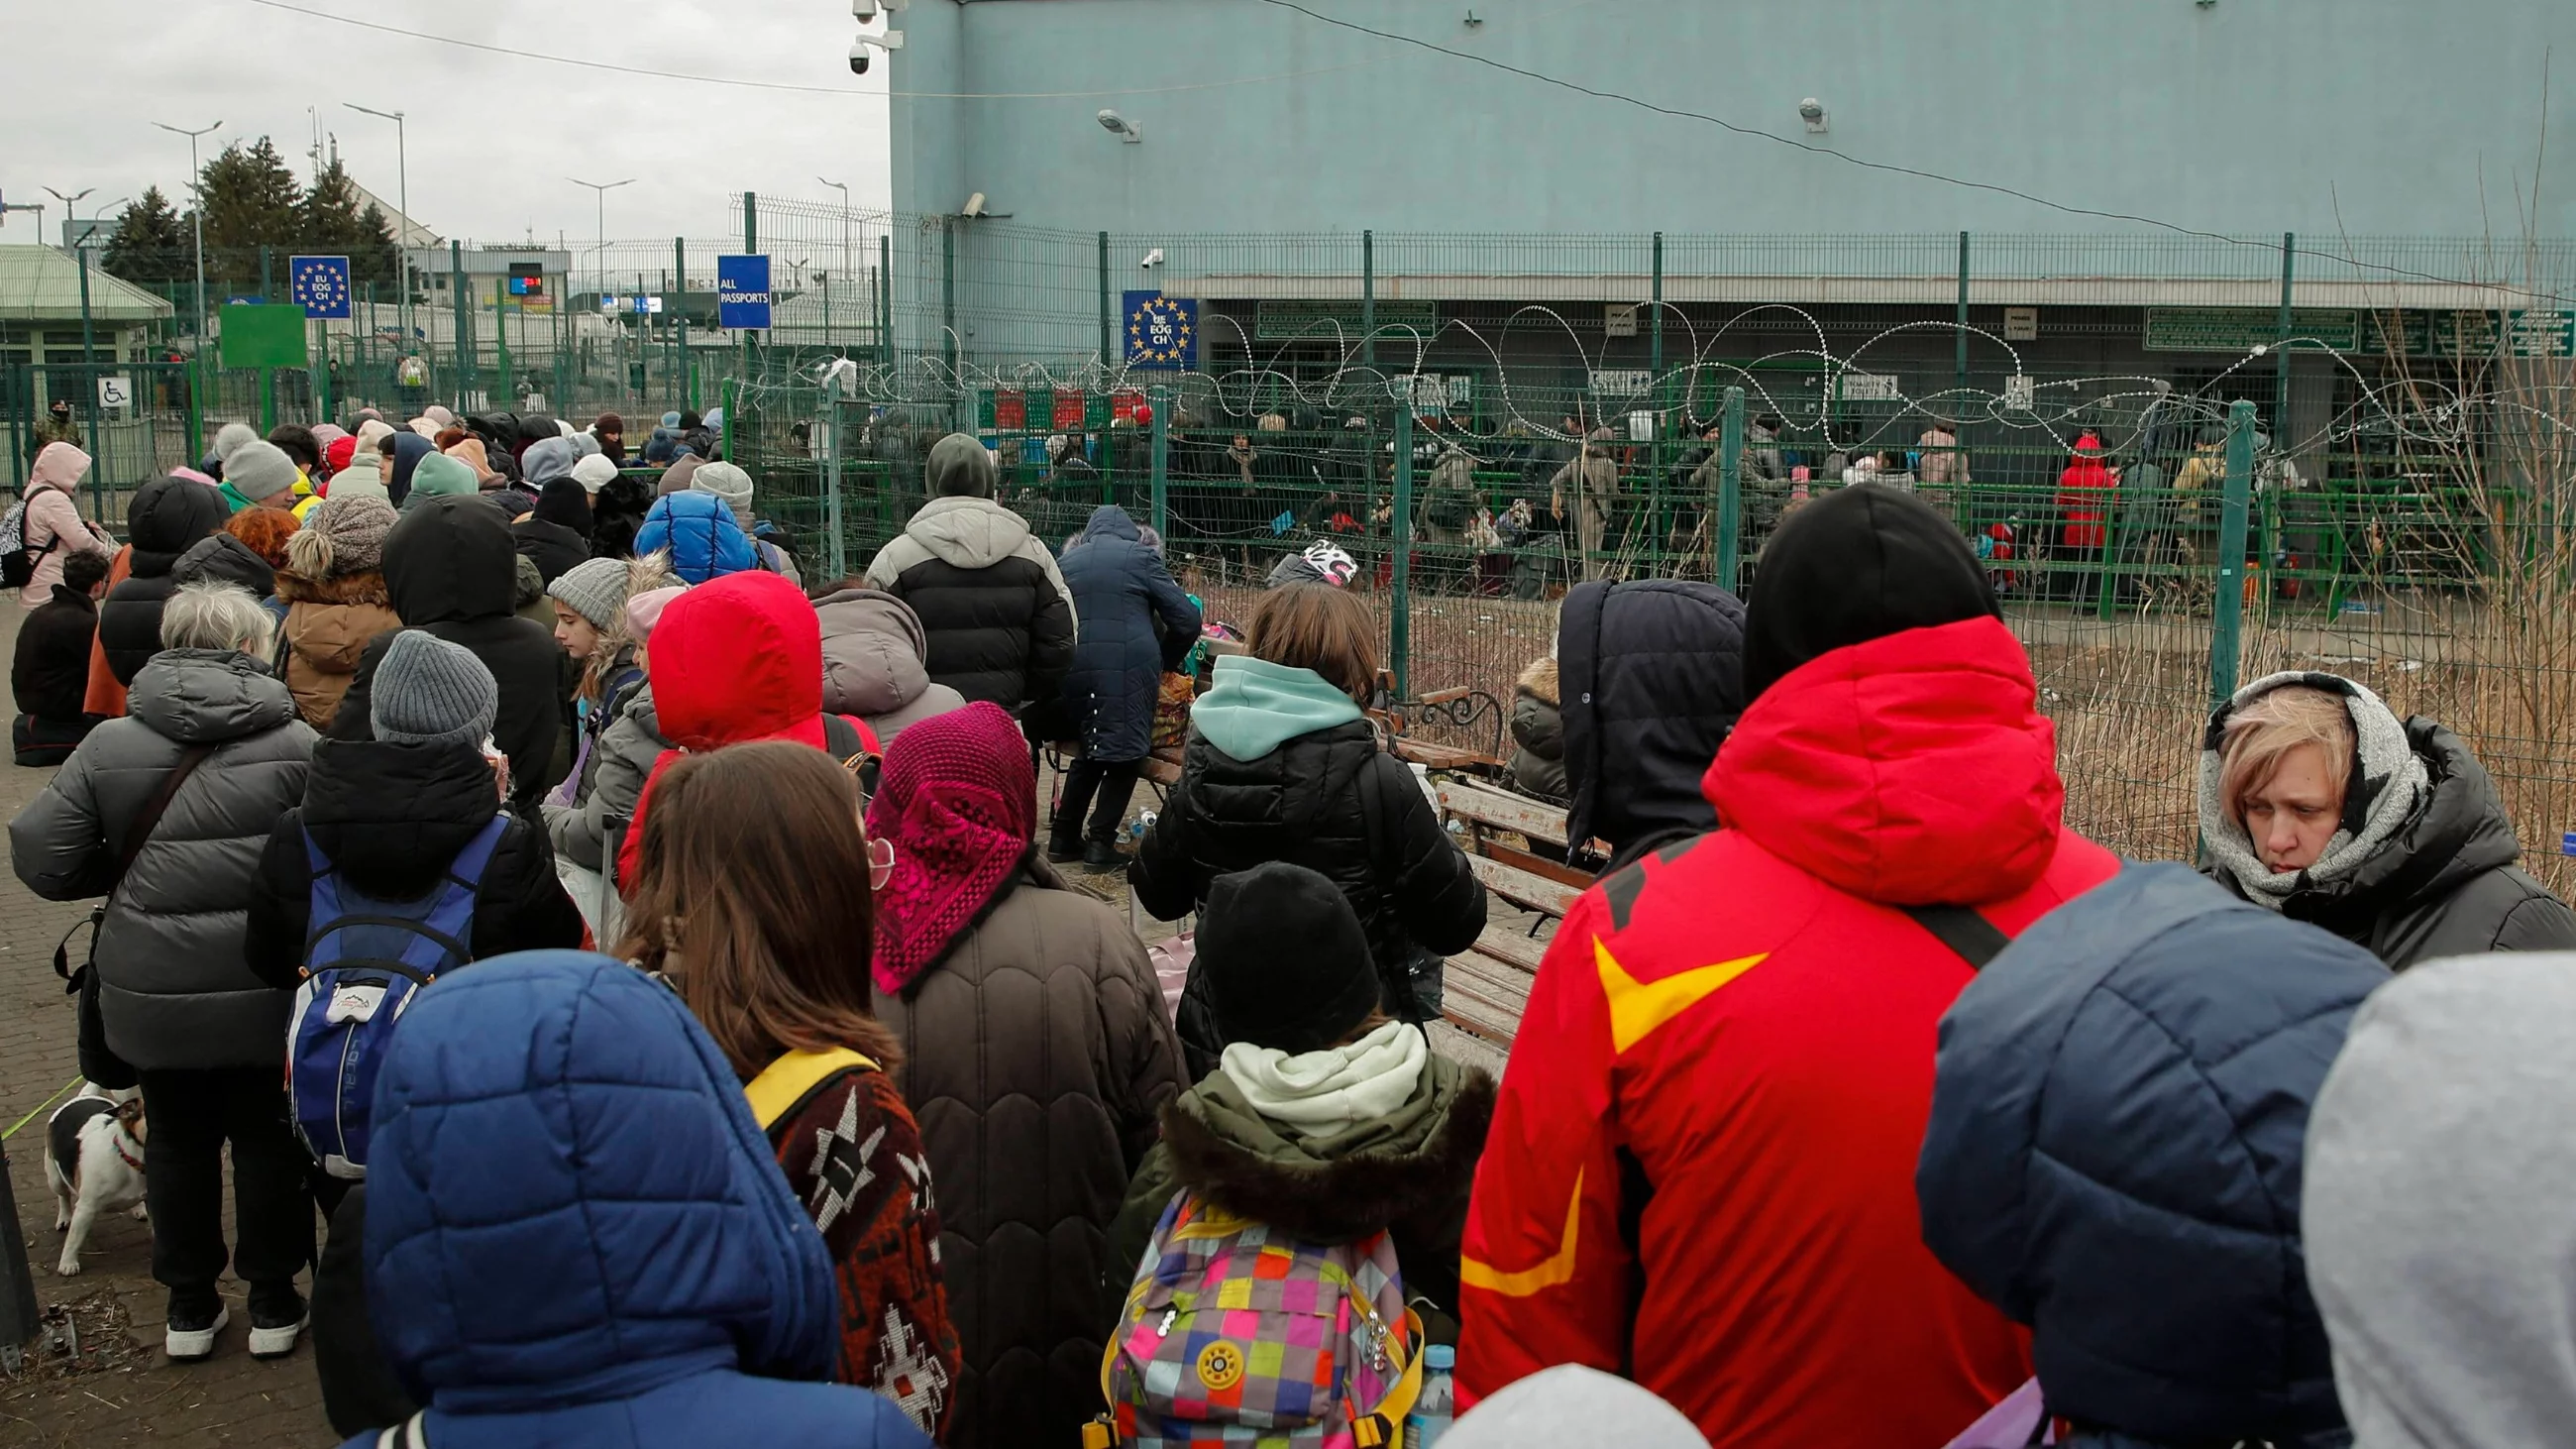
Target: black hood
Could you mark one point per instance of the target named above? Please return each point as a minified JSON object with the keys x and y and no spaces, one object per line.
{"x":565,"y":502}
{"x":450,"y":558}
{"x":496,"y":429}
{"x":2460,"y":831}
{"x":623,"y":503}
{"x":392,"y":816}
{"x":226,"y":560}
{"x":167,"y":516}
{"x":1855,"y":565}
{"x":1650,"y":679}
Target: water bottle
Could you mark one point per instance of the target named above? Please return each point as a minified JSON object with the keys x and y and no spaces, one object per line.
{"x":1137,"y":827}
{"x":1432,"y":1409}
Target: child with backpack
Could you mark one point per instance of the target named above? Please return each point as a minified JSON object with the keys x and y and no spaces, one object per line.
{"x":1331,"y":1153}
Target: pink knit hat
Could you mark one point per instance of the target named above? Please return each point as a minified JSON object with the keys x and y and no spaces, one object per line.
{"x":644,"y":610}
{"x":958,"y":800}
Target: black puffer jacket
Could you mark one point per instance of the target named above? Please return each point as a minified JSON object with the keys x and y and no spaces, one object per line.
{"x":450,"y":571}
{"x":392,"y":817}
{"x":1120,"y":590}
{"x":1538,"y":733}
{"x":997,"y":613}
{"x":223,"y":559}
{"x":167,"y":517}
{"x":2446,"y":885}
{"x":1651,"y":679}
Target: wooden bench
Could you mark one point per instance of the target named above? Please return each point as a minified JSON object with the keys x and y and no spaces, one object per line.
{"x":1487,"y":985}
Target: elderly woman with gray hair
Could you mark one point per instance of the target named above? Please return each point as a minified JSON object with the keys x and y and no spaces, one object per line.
{"x":165,"y":813}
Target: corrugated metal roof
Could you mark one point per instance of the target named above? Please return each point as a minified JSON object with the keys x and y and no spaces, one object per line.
{"x":42,"y":284}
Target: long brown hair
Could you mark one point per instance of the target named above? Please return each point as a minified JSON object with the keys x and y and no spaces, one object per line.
{"x":752,"y":892}
{"x":1317,"y":627}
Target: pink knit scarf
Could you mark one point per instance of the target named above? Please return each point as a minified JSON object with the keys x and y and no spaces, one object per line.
{"x":959,"y":803}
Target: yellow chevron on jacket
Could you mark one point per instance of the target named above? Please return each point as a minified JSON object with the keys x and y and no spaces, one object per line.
{"x":1638,"y":1007}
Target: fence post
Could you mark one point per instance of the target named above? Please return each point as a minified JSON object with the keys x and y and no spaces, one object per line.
{"x":835,"y":550}
{"x":461,"y":347}
{"x":1658,"y":451}
{"x":885,"y":305}
{"x":1105,"y":323}
{"x":1368,"y":298}
{"x":688,"y":373}
{"x":948,"y":313}
{"x":1159,"y":499}
{"x":750,"y":338}
{"x":1730,"y":489}
{"x":2229,"y":607}
{"x":2281,"y":364}
{"x":1399,"y":637}
{"x":1963,"y":323}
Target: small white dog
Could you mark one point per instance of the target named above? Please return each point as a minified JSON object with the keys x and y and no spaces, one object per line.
{"x":94,"y":1158}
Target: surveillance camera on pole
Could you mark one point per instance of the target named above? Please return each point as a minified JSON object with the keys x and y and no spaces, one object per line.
{"x":1152,"y":259}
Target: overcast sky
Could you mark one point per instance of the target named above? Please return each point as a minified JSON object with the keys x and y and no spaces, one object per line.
{"x":492,"y":137}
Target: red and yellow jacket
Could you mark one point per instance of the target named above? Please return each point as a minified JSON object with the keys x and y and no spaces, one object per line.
{"x":1701,"y":1170}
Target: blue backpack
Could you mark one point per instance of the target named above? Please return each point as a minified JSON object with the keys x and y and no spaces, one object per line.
{"x":363,"y":964}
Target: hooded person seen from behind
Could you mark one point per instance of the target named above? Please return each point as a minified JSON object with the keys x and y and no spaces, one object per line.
{"x":875,"y":661}
{"x":449,"y":569}
{"x":2114,"y":1158}
{"x":997,"y":613}
{"x":165,"y":519}
{"x":1651,"y":677}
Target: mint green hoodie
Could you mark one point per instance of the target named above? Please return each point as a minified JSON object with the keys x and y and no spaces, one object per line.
{"x":1255,"y":706}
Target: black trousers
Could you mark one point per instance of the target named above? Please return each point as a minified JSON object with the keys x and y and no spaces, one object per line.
{"x":190,"y":1116}
{"x":1114,"y":783}
{"x":35,"y":741}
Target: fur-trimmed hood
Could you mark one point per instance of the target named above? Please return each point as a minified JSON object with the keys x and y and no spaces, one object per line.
{"x":358,"y":588}
{"x":1409,"y":1168}
{"x":1539,"y":682}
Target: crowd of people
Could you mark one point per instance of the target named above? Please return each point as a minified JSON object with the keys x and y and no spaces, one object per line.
{"x":664,"y":982}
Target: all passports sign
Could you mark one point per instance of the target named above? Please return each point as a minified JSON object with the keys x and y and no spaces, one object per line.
{"x":742,"y":293}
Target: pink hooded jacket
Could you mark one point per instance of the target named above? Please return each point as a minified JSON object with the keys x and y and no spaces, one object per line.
{"x":52,"y":514}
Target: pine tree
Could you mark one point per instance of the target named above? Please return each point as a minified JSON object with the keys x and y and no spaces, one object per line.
{"x":374,"y":253}
{"x":151,"y":243}
{"x":330,"y":222}
{"x":251,"y":201}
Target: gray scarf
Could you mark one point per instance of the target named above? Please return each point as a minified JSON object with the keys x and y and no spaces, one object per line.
{"x":2388,"y":786}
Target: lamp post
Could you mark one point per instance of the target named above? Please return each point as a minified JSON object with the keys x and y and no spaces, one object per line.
{"x":197,"y":215}
{"x":80,"y":252}
{"x":402,"y":231}
{"x":842,"y":187}
{"x":599,"y":261}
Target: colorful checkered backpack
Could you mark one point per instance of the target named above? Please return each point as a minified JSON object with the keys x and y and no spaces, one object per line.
{"x":1236,"y":1334}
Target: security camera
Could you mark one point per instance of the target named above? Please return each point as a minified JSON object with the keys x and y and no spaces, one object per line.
{"x":1153,"y":258}
{"x":974,"y":205}
{"x":1812,"y":111}
{"x":863,"y":11}
{"x":1121,"y":127}
{"x":858,"y":57}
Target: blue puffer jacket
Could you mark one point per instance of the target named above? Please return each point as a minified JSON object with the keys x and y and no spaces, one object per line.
{"x":700,"y":531}
{"x":1119,"y":587}
{"x":2113,"y":1157}
{"x":577,"y":1236}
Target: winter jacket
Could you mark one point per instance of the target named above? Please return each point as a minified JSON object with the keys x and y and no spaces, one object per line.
{"x":1538,"y":734}
{"x":1653,"y":676}
{"x":1120,"y":590}
{"x":874,"y":653}
{"x":553,"y":546}
{"x":174,"y":991}
{"x":2080,"y":496}
{"x":329,"y":623}
{"x":619,"y":511}
{"x":699,"y":530}
{"x":1036,"y":1055}
{"x":168,"y":515}
{"x":999,"y":617}
{"x":1653,"y":1200}
{"x":223,"y":559}
{"x":2443,"y":883}
{"x":620,"y":763}
{"x":1282,"y":766}
{"x":577,"y":1237}
{"x":2438,"y":1172}
{"x":49,"y":672}
{"x":391,"y":818}
{"x":450,"y":571}
{"x":52,"y":526}
{"x":2113,"y":1157}
{"x":1406,"y":1174}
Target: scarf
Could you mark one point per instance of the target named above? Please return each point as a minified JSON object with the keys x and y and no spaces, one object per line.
{"x":1321,"y":1092}
{"x":958,"y":800}
{"x":2389,"y":784}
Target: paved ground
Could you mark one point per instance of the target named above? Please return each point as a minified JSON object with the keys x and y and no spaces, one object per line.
{"x":121,"y":1391}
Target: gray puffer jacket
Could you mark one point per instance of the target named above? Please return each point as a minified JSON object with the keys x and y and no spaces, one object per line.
{"x":874,"y":662}
{"x":622,"y":760}
{"x":173,"y":989}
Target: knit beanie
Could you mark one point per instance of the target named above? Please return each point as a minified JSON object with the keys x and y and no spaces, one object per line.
{"x":1855,"y":565}
{"x":259,"y":469}
{"x":337,"y":454}
{"x":593,"y":472}
{"x":729,"y":483}
{"x":345,"y":534}
{"x":594,"y":588}
{"x":1285,"y":960}
{"x":440,"y":476}
{"x":231,"y":438}
{"x":644,"y":610}
{"x":428,"y":690}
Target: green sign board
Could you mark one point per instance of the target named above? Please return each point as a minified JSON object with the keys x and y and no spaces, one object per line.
{"x":2242,"y":329}
{"x":2474,"y":334}
{"x":263,"y":336}
{"x":1326,"y":321}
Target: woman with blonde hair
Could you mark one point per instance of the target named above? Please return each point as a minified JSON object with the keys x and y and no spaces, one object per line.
{"x":1283,"y":765}
{"x":750,"y":896}
{"x":2318,"y":802}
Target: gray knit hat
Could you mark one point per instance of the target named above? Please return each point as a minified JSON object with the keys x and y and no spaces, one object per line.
{"x":594,"y":588}
{"x":231,"y":438}
{"x":428,"y":690}
{"x":729,"y":483}
{"x":344,"y":534}
{"x":259,"y":469}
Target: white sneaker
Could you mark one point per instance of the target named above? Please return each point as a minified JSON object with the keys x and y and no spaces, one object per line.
{"x":275,"y":1342}
{"x":193,"y":1343}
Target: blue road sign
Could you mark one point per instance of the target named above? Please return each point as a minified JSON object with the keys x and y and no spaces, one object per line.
{"x":1161,"y":331}
{"x":742,"y":292}
{"x":320,"y":286}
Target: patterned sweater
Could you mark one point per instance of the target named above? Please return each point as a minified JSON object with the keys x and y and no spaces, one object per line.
{"x":852,"y":1155}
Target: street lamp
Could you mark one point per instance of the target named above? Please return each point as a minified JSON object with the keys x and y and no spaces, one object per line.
{"x":80,"y":251}
{"x":402,"y":233}
{"x":197,"y":214}
{"x":599,"y":262}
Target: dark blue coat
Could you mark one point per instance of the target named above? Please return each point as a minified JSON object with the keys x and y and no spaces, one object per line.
{"x":2114,"y":1150}
{"x":577,"y":1236}
{"x":1119,"y":588}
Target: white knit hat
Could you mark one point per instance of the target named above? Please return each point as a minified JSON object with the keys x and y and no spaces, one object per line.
{"x":594,"y":472}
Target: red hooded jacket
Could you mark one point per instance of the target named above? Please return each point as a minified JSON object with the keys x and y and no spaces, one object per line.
{"x":734,"y":660}
{"x":2081,"y":491}
{"x":1701,"y":1170}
